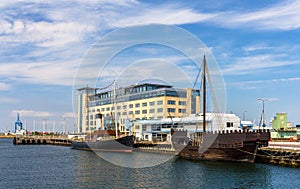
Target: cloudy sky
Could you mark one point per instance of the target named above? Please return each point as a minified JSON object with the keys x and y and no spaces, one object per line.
{"x":256,"y":46}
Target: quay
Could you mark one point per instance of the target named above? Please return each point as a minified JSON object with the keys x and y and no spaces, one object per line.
{"x":7,"y":136}
{"x":280,"y":153}
{"x":61,"y":140}
{"x":161,"y":150}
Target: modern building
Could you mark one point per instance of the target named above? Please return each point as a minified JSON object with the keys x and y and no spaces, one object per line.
{"x":146,"y":101}
{"x":160,"y":130}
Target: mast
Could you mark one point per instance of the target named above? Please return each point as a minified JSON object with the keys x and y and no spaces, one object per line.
{"x":204,"y":93}
{"x":115,"y":113}
{"x":87,"y":114}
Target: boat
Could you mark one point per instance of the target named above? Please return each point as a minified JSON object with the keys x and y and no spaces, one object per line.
{"x":106,"y":140}
{"x":218,"y":145}
{"x":102,"y":141}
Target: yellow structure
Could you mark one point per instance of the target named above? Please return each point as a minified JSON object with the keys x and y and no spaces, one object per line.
{"x":136,"y":102}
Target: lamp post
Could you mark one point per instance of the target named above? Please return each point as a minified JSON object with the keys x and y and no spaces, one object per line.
{"x":262,"y":121}
{"x":244,"y":115}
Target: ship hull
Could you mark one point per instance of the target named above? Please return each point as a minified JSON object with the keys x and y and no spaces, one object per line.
{"x":123,"y":144}
{"x":223,"y":146}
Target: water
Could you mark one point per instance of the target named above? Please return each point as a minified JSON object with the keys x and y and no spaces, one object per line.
{"x":44,"y":166}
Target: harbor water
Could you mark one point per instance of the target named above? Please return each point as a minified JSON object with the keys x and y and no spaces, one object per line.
{"x":46,"y":166}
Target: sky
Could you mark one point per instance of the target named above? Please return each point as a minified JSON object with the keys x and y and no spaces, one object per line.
{"x":43,"y":44}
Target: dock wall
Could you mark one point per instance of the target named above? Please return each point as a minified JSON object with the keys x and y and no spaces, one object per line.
{"x":39,"y":140}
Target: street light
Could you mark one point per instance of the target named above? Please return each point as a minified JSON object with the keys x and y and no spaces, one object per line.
{"x":244,"y":115}
{"x":262,"y":120}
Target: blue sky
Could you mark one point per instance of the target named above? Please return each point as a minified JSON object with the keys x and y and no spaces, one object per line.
{"x":42,"y":44}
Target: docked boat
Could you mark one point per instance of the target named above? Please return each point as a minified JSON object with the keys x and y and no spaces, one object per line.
{"x":221,"y":146}
{"x":104,"y":142}
{"x":218,"y":145}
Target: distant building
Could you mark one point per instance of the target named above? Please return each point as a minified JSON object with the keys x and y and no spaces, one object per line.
{"x":283,"y":128}
{"x":246,"y":125}
{"x":137,"y":102}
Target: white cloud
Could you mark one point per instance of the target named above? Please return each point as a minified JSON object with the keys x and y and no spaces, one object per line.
{"x":58,"y":73}
{"x":32,"y":113}
{"x":257,"y":47}
{"x":263,"y":83}
{"x":43,"y":33}
{"x":281,"y":16}
{"x":4,"y":86}
{"x":245,"y":65}
{"x":68,"y":115}
{"x":4,"y":99}
{"x":162,"y":15}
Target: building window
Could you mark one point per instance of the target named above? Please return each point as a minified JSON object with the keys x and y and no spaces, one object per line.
{"x":159,"y":117}
{"x":130,"y":112}
{"x":172,"y":102}
{"x":181,"y":110}
{"x":125,"y":107}
{"x":91,"y":117}
{"x":183,"y":103}
{"x":98,"y":110}
{"x":144,"y":104}
{"x":137,"y":105}
{"x":102,"y":109}
{"x":151,"y":110}
{"x":160,"y":109}
{"x":152,"y":103}
{"x":130,"y":105}
{"x":229,"y":124}
{"x":124,"y":113}
{"x":171,"y":110}
{"x":144,"y":111}
{"x":137,"y":112}
{"x":107,"y":109}
{"x":91,"y":122}
{"x":160,"y":102}
{"x":112,"y":108}
{"x":119,"y":107}
{"x":93,"y":110}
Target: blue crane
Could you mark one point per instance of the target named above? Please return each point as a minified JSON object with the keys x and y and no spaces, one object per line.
{"x":18,"y":123}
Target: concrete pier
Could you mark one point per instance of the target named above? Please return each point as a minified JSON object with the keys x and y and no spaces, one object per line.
{"x":38,"y":140}
{"x":280,"y":153}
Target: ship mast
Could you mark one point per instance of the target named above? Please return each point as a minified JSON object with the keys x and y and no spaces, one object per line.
{"x":115,"y":112}
{"x":204,"y":93}
{"x":88,"y":111}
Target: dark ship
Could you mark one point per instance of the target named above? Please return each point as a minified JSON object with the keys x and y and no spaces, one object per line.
{"x":226,"y":145}
{"x":220,"y":146}
{"x":103,"y":141}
